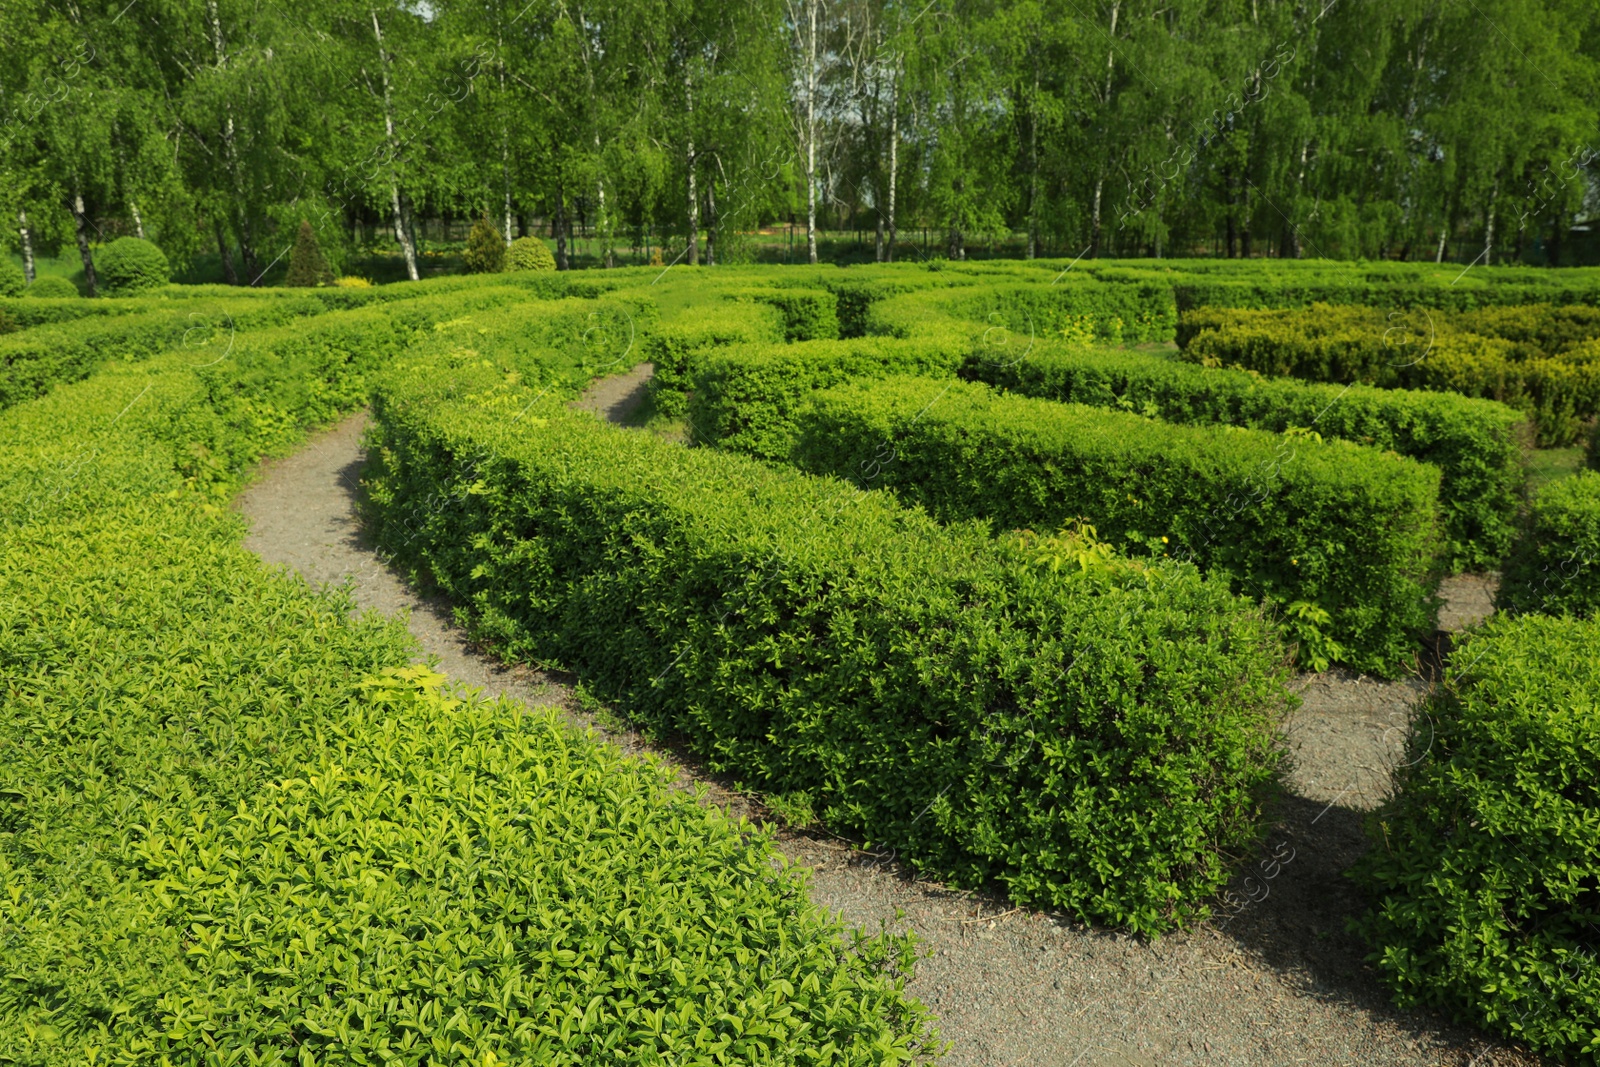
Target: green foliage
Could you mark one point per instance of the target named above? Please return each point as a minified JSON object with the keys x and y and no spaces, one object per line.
{"x":1560,"y":391}
{"x":250,"y":830}
{"x":1483,"y":866}
{"x":1280,"y":518}
{"x":808,"y":314}
{"x":1474,"y":443}
{"x":486,"y":248}
{"x":529,"y":253}
{"x":130,"y":265}
{"x":1592,"y":455}
{"x":12,"y":280}
{"x":307,"y":267}
{"x":52,"y":287}
{"x":675,"y":349}
{"x":746,"y":397}
{"x":923,"y":686}
{"x":1554,"y":567}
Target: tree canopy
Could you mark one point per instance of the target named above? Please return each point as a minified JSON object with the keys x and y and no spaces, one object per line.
{"x":1411,"y":128}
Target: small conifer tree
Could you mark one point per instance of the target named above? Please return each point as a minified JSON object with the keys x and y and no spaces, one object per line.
{"x":486,"y":248}
{"x":306,"y":265}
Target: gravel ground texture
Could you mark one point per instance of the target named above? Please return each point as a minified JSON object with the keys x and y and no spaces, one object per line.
{"x":1276,"y":981}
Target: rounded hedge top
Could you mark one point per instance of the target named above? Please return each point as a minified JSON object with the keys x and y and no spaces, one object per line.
{"x":11,"y":279}
{"x":131,"y":265}
{"x":529,"y":253}
{"x":51,"y":288}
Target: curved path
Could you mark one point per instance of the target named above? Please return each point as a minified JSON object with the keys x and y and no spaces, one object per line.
{"x":1278,"y":982}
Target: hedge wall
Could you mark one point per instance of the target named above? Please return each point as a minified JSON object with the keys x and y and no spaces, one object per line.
{"x":1332,"y":527}
{"x":746,"y":397}
{"x":1095,"y":742}
{"x":251,"y":834}
{"x":1560,"y":392}
{"x":1474,"y":443}
{"x":674,"y":347}
{"x":1484,"y":865}
{"x":1555,"y":566}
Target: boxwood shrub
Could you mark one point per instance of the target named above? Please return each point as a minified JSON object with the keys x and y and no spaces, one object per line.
{"x":130,"y":265}
{"x":1560,"y":392}
{"x":745,"y":397}
{"x":252,"y":833}
{"x":1329,"y":530}
{"x":52,"y":287}
{"x":1474,"y":443}
{"x":1484,"y":865}
{"x":808,"y":314}
{"x":1555,"y":566}
{"x":1094,"y":741}
{"x":673,"y":347}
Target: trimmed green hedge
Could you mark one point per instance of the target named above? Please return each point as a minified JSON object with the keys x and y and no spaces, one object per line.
{"x":1484,"y":865}
{"x":1560,"y":392}
{"x":249,"y":834}
{"x":1095,"y":741}
{"x":131,"y":265}
{"x":808,"y":314}
{"x":1311,"y":527}
{"x":1095,"y":310}
{"x":37,"y":360}
{"x":746,"y":397}
{"x":1554,"y":567}
{"x":674,"y":347}
{"x":1474,"y":443}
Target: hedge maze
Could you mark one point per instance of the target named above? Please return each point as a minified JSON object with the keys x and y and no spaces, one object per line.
{"x":1002,"y":566}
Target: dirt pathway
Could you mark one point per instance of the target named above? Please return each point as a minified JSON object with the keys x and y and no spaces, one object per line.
{"x":1277,"y":982}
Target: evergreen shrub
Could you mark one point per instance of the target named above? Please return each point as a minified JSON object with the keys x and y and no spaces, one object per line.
{"x":1093,"y":739}
{"x":1333,"y":534}
{"x":1484,"y":865}
{"x":486,"y":248}
{"x":131,"y":265}
{"x":1554,"y":567}
{"x":529,"y":253}
{"x":1474,"y":443}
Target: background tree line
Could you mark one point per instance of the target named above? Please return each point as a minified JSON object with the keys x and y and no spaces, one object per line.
{"x":1411,"y":128}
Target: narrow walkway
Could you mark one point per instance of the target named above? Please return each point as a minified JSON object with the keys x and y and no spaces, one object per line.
{"x":1279,"y":982}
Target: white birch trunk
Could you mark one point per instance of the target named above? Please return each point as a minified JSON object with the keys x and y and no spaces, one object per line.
{"x":402,"y":228}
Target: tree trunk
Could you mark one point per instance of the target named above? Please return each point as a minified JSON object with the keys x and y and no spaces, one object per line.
{"x":402,"y":222}
{"x":1105,"y":101}
{"x":1488,"y":225}
{"x":1094,"y":220}
{"x":138,"y":223}
{"x":1033,"y":167}
{"x":1552,"y":247}
{"x":811,"y":132}
{"x":225,"y":253}
{"x":559,"y":227}
{"x":230,"y":152}
{"x":894,"y":157}
{"x":711,"y":223}
{"x":82,"y":222}
{"x":402,"y":230}
{"x":505,"y":182}
{"x":602,"y":223}
{"x":694,"y":195}
{"x":1444,"y":234}
{"x":27,"y":245}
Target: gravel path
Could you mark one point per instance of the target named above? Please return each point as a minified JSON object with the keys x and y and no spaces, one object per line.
{"x":1278,"y":981}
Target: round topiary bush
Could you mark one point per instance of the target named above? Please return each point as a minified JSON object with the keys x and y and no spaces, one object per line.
{"x":12,"y":281}
{"x":529,"y":253}
{"x":130,"y":265}
{"x":51,"y":288}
